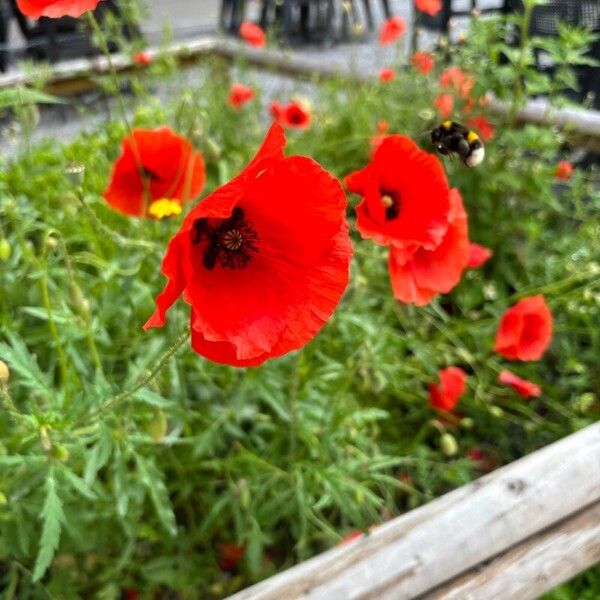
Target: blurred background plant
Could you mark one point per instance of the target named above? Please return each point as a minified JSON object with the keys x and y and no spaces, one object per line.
{"x":210,"y":478}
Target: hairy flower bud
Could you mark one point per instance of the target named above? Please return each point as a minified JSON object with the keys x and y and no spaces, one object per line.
{"x":4,"y":373}
{"x":5,"y":250}
{"x":448,"y":444}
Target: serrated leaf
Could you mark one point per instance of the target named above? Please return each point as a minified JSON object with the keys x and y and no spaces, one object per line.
{"x":78,"y":484}
{"x":52,"y":519}
{"x":152,"y":479}
{"x":16,"y":354}
{"x":20,"y":96}
{"x":98,"y":456}
{"x":152,"y":398}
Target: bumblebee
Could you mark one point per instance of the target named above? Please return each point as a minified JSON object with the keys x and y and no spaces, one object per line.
{"x":453,"y":138}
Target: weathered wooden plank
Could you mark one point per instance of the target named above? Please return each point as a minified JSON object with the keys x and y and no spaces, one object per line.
{"x":535,"y":566}
{"x":419,"y":551}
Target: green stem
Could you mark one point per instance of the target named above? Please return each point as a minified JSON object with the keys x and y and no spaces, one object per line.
{"x":293,"y":407}
{"x":111,"y":233}
{"x":519,"y":91}
{"x":9,"y":405}
{"x":142,"y":382}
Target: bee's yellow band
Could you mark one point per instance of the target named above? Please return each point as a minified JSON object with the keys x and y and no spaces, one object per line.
{"x":472,"y":137}
{"x":447,"y":124}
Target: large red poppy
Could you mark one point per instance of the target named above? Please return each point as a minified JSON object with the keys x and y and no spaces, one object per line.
{"x":525,"y":331}
{"x":55,"y":8}
{"x":446,"y":394}
{"x":429,"y":7}
{"x":155,"y":165}
{"x":294,"y":115}
{"x":406,"y":197}
{"x":392,"y":30}
{"x":253,"y":35}
{"x":263,"y":261}
{"x":524,"y":388}
{"x":418,"y":277}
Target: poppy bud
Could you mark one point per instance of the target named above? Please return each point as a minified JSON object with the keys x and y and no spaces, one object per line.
{"x":157,"y":428}
{"x":467,"y":423}
{"x":60,"y":453}
{"x":45,"y":438}
{"x":497,"y":411}
{"x":4,"y":373}
{"x":3,"y":499}
{"x":78,"y":302}
{"x":51,"y":242}
{"x":585,"y":402}
{"x":448,"y":444}
{"x":5,"y":250}
{"x":74,"y":173}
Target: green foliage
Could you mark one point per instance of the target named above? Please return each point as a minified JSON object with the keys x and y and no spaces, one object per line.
{"x":115,"y":479}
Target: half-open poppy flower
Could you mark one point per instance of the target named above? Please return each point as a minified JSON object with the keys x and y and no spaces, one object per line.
{"x":392,"y":30}
{"x":387,"y":75}
{"x":55,"y":8}
{"x":406,"y":196}
{"x":444,"y":104}
{"x":423,"y":62}
{"x":429,"y":7}
{"x":485,"y":129}
{"x":564,"y":170}
{"x":239,"y":94}
{"x":294,"y":115}
{"x":461,"y":81}
{"x":155,"y":165}
{"x":524,"y":388}
{"x":262,"y":261}
{"x":525,"y":331}
{"x":478,"y":256}
{"x":418,"y":277}
{"x":253,"y":35}
{"x":230,"y":555}
{"x":143,"y":59}
{"x":446,"y":394}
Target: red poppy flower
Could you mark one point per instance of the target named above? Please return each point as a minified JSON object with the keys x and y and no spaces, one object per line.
{"x":253,"y":35}
{"x":130,"y":594}
{"x":429,"y":7}
{"x":478,"y":256}
{"x":564,"y":170}
{"x":263,"y":261}
{"x":484,"y":127}
{"x":392,"y":30}
{"x":382,"y":128}
{"x":239,"y":94}
{"x":157,"y":172}
{"x":295,"y":115}
{"x":418,"y":277}
{"x":525,"y":331}
{"x":524,"y":388}
{"x":406,"y":196}
{"x":143,"y":59}
{"x":55,"y":8}
{"x":456,"y":78}
{"x":386,"y":75}
{"x":423,"y":62}
{"x":230,"y":555}
{"x":446,"y":394}
{"x":444,"y":104}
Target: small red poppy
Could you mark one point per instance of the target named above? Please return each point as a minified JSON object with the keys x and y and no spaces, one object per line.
{"x":478,"y":256}
{"x":386,"y":75}
{"x":564,"y":170}
{"x":294,"y":115}
{"x":429,"y":7}
{"x":524,"y":388}
{"x":460,"y":80}
{"x":353,"y":535}
{"x":230,"y":556}
{"x":392,"y":30}
{"x":444,"y":104}
{"x":486,"y":130}
{"x":239,"y":94}
{"x":253,"y":35}
{"x":483,"y":460}
{"x":525,"y":331}
{"x":423,"y":62}
{"x":406,"y":196}
{"x":156,"y":166}
{"x":445,"y":395}
{"x":263,"y":260}
{"x":130,"y":594}
{"x":418,"y":278}
{"x":143,"y":59}
{"x":55,"y":8}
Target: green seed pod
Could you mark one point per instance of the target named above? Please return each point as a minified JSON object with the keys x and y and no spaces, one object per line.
{"x":75,"y":172}
{"x":59,"y":453}
{"x":497,"y":412}
{"x":5,"y":250}
{"x":467,"y":423}
{"x":448,"y":444}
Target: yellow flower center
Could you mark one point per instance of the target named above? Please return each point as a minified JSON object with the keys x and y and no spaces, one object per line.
{"x":164,"y":208}
{"x":387,"y":201}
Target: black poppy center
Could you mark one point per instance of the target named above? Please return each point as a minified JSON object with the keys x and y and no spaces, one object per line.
{"x":391,"y":203}
{"x":229,"y":242}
